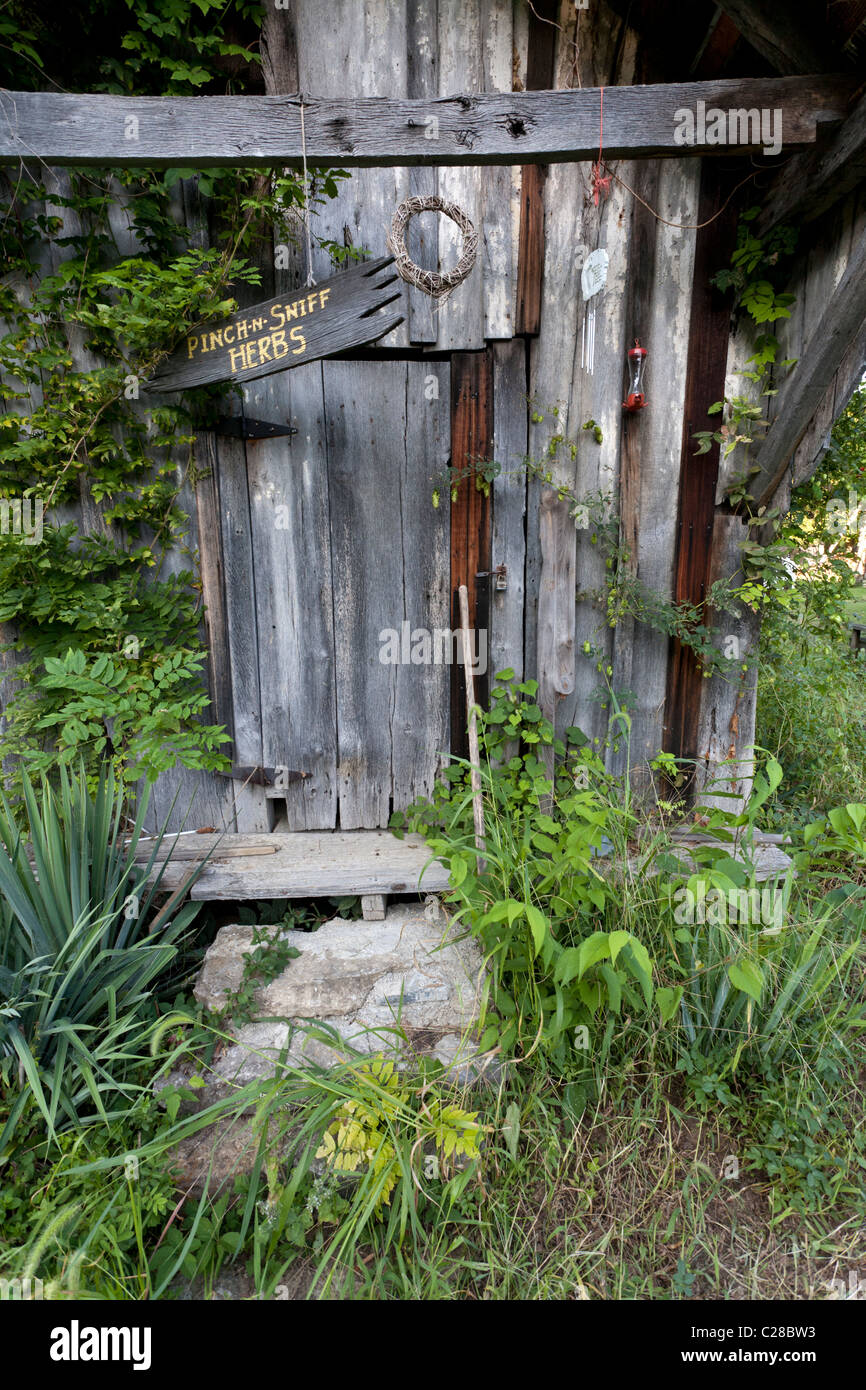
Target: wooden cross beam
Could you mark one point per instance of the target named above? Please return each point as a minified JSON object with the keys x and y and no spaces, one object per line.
{"x":816,"y":179}
{"x":474,"y":129}
{"x":802,"y":392}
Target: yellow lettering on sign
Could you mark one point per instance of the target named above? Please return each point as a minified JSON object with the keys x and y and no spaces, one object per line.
{"x":263,"y":345}
{"x":216,"y":340}
{"x":297,"y":337}
{"x":239,"y":358}
{"x":278,"y":314}
{"x":226,"y":331}
{"x":192,"y":344}
{"x":243,"y":329}
{"x":323,"y":296}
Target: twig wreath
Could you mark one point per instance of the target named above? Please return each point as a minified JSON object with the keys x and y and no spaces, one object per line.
{"x":430,"y":281}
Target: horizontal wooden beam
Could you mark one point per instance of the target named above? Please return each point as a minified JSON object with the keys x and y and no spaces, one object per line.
{"x":816,"y":179}
{"x":802,"y":392}
{"x":478,"y":128}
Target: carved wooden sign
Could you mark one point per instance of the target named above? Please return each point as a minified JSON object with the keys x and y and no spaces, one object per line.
{"x":285,"y":332}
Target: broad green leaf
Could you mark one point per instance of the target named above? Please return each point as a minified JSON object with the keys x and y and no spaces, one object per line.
{"x":747,"y":975}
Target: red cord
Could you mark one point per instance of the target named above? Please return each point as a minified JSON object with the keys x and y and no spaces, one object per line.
{"x":599,"y":184}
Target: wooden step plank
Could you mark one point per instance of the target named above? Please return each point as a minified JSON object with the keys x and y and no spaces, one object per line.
{"x":308,"y":864}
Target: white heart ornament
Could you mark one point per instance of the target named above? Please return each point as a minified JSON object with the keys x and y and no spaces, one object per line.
{"x":593,"y":277}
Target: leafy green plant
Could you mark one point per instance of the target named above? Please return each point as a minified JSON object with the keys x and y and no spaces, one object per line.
{"x":536,"y":898}
{"x":766,"y":973}
{"x":358,"y":1141}
{"x":83,"y":939}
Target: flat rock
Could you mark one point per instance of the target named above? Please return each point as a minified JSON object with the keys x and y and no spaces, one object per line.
{"x":405,"y":986}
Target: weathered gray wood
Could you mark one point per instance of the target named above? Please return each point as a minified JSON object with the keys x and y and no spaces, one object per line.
{"x":279,"y":50}
{"x":288,"y":489}
{"x":315,"y":865}
{"x":421,"y":723}
{"x":726,"y":724}
{"x":597,"y":470}
{"x":802,"y":392}
{"x":478,"y":128}
{"x":288,"y":331}
{"x":665,"y":332}
{"x":385,"y":440}
{"x":362,"y":56}
{"x":813,"y":181}
{"x":373,"y":907}
{"x":510,"y":415}
{"x":242,"y":638}
{"x":460,"y":319}
{"x":422,"y":233}
{"x":365,"y":414}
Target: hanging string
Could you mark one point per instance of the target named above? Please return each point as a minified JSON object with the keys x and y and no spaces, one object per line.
{"x":310,"y":279}
{"x":680,"y":226}
{"x":600,"y":184}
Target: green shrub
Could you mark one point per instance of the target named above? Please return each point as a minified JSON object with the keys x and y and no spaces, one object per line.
{"x":82,"y":943}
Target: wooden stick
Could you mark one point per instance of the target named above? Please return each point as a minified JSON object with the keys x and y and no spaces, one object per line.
{"x":472,"y":723}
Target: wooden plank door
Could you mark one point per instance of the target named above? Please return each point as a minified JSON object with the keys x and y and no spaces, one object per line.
{"x":331,"y":542}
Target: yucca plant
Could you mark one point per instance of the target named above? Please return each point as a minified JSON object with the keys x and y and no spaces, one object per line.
{"x":84,"y":934}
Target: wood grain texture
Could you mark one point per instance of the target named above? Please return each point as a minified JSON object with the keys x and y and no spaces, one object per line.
{"x":386,"y":439}
{"x":421,"y":720}
{"x":656,"y":435}
{"x":726,"y":707}
{"x":540,"y":65}
{"x":814,"y":181}
{"x":344,"y":132}
{"x":510,"y":417}
{"x":288,"y":331}
{"x":471,"y":444}
{"x":705,"y":381}
{"x":359,"y":51}
{"x":290,"y":539}
{"x":802,"y":393}
{"x":236,"y":552}
{"x":312,"y":865}
{"x":422,"y":234}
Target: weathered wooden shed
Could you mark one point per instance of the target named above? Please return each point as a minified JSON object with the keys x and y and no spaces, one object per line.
{"x":313,"y":544}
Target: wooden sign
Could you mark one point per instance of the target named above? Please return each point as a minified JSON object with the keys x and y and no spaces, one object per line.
{"x":285,"y":332}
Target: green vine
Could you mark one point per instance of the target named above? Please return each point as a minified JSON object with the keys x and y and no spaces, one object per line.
{"x":107,"y":636}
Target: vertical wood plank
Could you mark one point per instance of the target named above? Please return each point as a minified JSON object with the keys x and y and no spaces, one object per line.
{"x":471,"y":443}
{"x":365,"y":412}
{"x":235,"y":533}
{"x":705,"y":383}
{"x":362,"y":53}
{"x":541,"y":52}
{"x":421,"y":727}
{"x":422,"y":234}
{"x":460,"y":320}
{"x":509,"y":506}
{"x":660,"y":429}
{"x":288,"y":487}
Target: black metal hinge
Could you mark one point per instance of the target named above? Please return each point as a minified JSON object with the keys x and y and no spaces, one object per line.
{"x":242,"y":427}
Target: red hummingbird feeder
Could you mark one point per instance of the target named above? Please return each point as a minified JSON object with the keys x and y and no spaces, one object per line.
{"x":635,"y":400}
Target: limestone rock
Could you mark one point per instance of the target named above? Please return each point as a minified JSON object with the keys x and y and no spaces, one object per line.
{"x":403,"y":986}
